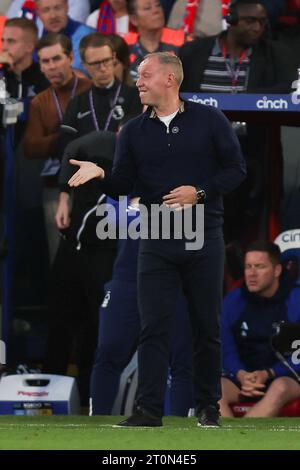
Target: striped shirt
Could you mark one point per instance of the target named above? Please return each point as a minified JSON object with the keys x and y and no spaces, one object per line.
{"x":225,"y":75}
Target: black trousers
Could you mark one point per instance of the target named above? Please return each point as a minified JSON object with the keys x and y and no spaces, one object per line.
{"x":162,"y":266}
{"x":75,"y":294}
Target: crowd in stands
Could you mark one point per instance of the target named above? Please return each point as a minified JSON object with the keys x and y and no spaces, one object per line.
{"x":74,"y":63}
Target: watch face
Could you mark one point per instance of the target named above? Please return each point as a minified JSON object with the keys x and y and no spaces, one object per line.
{"x":201,"y":195}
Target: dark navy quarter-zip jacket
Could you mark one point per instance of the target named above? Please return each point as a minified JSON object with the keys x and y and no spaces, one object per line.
{"x":199,"y":149}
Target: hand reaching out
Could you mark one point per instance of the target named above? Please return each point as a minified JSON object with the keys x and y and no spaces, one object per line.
{"x":87,"y":171}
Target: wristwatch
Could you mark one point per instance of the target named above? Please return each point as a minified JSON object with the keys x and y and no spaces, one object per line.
{"x":271,"y":374}
{"x":200,"y":194}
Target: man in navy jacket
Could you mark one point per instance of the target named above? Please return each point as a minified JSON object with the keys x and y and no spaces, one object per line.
{"x":249,"y":318}
{"x":179,"y":154}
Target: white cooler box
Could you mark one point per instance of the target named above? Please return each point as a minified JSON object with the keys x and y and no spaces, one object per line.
{"x":38,"y":395}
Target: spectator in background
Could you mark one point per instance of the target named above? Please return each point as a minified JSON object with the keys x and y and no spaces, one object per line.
{"x":151,"y":36}
{"x":23,"y":76}
{"x":245,"y":59}
{"x":109,"y":103}
{"x":110,"y":17}
{"x":122,"y":59}
{"x":249,"y":319}
{"x":198,"y":18}
{"x":78,"y":9}
{"x":45,"y":116}
{"x":55,"y":19}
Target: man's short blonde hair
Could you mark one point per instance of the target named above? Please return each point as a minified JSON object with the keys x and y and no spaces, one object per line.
{"x":26,"y":25}
{"x":168,"y":58}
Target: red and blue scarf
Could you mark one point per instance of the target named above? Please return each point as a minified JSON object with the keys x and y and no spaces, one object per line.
{"x":28,"y":10}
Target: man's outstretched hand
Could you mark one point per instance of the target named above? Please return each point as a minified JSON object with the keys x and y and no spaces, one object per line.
{"x":87,"y":171}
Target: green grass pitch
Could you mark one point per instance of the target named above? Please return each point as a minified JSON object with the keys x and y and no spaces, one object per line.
{"x":82,"y":432}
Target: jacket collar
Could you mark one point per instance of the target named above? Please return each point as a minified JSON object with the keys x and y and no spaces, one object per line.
{"x":153,"y":115}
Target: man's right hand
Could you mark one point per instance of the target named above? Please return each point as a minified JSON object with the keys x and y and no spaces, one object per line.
{"x":87,"y":171}
{"x":5,"y":58}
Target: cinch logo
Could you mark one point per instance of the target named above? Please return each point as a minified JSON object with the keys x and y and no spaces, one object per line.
{"x":291,"y":237}
{"x":207,"y":101}
{"x":2,"y":353}
{"x":266,"y":103}
{"x":33,"y":394}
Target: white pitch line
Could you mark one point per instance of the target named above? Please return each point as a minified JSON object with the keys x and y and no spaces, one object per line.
{"x":273,"y":428}
{"x":42,"y":425}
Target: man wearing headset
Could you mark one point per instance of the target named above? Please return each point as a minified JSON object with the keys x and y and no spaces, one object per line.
{"x":245,"y":59}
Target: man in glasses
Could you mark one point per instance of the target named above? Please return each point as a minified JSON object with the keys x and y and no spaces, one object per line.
{"x":109,"y":103}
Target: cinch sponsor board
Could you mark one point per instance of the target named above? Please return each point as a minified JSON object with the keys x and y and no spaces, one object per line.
{"x":247,"y":101}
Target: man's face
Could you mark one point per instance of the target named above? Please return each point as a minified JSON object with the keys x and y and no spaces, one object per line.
{"x":251,"y":26}
{"x":148,"y":15}
{"x":99,"y":62}
{"x":53,"y":14}
{"x":152,"y":81}
{"x":261,"y":276}
{"x":55,"y":65}
{"x":17,"y":43}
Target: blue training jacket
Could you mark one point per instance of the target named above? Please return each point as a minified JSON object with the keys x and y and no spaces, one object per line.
{"x":234,"y":306}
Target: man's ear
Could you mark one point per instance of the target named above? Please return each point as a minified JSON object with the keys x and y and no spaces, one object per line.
{"x":171,"y":79}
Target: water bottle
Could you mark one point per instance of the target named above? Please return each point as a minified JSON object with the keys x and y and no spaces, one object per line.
{"x":3,"y":93}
